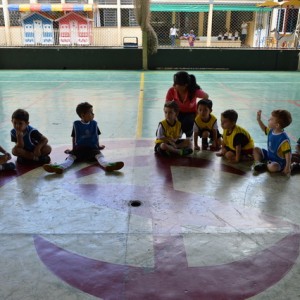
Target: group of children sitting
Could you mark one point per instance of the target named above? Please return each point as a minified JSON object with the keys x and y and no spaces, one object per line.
{"x":235,"y":144}
{"x":31,"y":146}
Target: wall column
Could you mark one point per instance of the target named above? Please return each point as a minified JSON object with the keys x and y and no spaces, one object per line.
{"x":6,"y":22}
{"x":228,"y":19}
{"x":200,"y":23}
{"x":209,"y":24}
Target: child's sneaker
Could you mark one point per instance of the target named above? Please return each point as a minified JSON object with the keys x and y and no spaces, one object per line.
{"x":114,"y":166}
{"x":186,"y":151}
{"x":44,"y":159}
{"x":295,"y":167}
{"x":204,"y":146}
{"x":260,"y":167}
{"x":8,"y":166}
{"x":52,"y":168}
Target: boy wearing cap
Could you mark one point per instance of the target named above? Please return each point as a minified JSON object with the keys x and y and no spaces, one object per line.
{"x":206,"y":126}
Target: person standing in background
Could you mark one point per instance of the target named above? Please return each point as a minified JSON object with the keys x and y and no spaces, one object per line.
{"x":173,"y":35}
{"x":244,"y":32}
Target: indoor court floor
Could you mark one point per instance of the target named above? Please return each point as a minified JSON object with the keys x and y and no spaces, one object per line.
{"x":192,"y":227}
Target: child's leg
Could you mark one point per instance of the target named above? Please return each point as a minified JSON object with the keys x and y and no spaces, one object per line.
{"x":59,"y":168}
{"x":108,"y":166}
{"x":273,"y":167}
{"x":205,"y":136}
{"x":257,"y":154}
{"x":20,"y":152}
{"x":28,"y":155}
{"x":230,"y":156}
{"x":184,"y":143}
{"x":183,"y":148}
{"x":46,"y":150}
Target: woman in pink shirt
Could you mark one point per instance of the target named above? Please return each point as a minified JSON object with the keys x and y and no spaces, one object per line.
{"x":185,"y":92}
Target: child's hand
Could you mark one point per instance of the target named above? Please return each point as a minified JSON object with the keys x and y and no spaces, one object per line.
{"x":258,"y":115}
{"x":19,"y":134}
{"x":37,"y":151}
{"x":287,"y":171}
{"x":8,"y":156}
{"x":220,"y":153}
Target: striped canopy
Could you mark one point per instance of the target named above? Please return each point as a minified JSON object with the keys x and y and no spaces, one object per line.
{"x":50,"y":7}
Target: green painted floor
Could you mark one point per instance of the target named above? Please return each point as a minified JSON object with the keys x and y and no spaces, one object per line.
{"x":206,"y":230}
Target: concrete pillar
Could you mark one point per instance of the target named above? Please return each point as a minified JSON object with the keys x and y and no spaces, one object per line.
{"x":6,"y":22}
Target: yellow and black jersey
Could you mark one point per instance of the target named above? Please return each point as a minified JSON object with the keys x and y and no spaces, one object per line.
{"x":168,"y":131}
{"x":238,"y":136}
{"x":206,"y":125}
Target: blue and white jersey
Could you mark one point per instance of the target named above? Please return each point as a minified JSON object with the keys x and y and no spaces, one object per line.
{"x":31,"y":137}
{"x":86,"y":135}
{"x":278,"y":145}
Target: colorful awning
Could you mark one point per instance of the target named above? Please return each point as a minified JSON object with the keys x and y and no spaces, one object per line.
{"x":49,"y":7}
{"x":201,"y":7}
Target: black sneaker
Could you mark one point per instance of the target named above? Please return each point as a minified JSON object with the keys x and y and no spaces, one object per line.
{"x":44,"y":159}
{"x":21,"y":160}
{"x":295,"y":167}
{"x":260,"y":167}
{"x":9,"y":166}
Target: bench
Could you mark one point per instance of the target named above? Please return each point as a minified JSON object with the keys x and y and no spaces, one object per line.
{"x":213,"y":43}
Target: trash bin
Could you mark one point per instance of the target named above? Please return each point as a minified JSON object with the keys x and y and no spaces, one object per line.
{"x":130,"y":42}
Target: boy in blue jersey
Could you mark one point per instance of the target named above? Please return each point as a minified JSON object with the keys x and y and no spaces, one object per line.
{"x":169,"y":132}
{"x":277,"y":158}
{"x":85,"y":140}
{"x":31,"y":145}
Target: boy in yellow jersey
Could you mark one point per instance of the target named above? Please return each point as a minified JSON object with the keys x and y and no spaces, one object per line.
{"x":206,"y":126}
{"x":169,"y":132}
{"x":237,"y":144}
{"x":277,"y":158}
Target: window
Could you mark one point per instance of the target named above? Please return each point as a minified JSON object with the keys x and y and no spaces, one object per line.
{"x":126,"y":2}
{"x":107,"y":2}
{"x":15,"y":18}
{"x":1,"y":17}
{"x":106,"y":17}
{"x":287,"y":20}
{"x":128,"y":17}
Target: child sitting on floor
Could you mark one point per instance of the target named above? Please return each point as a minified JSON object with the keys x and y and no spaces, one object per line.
{"x":237,"y":144}
{"x":206,"y":126}
{"x":4,"y":165}
{"x":277,"y":158}
{"x":168,"y":133}
{"x":85,"y":137}
{"x":31,"y":145}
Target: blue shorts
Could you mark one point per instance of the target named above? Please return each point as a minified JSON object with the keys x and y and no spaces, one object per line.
{"x":267,"y":158}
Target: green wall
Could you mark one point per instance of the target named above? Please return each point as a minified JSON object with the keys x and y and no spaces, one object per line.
{"x":131,"y":59}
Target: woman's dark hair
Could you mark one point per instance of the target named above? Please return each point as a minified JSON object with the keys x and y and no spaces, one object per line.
{"x":184,"y":78}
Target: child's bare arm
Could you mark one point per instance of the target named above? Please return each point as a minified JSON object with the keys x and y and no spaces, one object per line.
{"x":196,"y":146}
{"x":238,"y":150}
{"x":260,"y":122}
{"x":215,"y":137}
{"x":19,"y":138}
{"x":37,"y":150}
{"x":287,"y":168}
